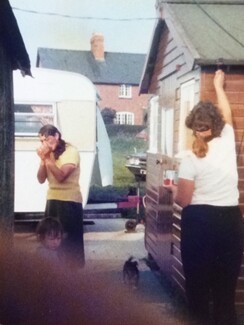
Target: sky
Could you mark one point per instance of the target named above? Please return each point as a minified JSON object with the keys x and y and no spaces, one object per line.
{"x":127,"y":25}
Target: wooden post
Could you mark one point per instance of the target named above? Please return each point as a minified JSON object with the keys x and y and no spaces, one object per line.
{"x":6,"y":148}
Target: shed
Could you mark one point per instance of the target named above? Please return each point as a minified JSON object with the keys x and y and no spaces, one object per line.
{"x":190,"y":41}
{"x":13,"y":55}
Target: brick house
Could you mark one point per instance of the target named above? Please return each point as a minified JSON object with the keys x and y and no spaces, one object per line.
{"x":116,"y":76}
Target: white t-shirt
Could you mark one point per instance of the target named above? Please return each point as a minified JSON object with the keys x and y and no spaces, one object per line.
{"x":215,"y":176}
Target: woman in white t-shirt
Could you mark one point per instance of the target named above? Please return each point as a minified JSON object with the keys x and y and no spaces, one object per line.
{"x":211,"y":226}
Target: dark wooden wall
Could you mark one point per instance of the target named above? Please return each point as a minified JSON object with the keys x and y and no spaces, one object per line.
{"x":6,"y":146}
{"x":158,"y":214}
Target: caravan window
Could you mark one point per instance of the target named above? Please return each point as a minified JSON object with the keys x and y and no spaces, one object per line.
{"x":29,"y":118}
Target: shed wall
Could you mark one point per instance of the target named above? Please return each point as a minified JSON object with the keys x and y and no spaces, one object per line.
{"x":162,"y":235}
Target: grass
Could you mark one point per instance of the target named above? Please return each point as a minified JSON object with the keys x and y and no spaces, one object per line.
{"x":121,"y":147}
{"x":123,"y":142}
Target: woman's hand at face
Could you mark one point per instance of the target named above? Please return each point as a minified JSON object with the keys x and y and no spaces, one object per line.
{"x":43,"y":151}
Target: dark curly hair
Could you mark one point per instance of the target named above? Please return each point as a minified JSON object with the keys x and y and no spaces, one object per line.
{"x":204,"y":116}
{"x":50,"y":129}
{"x":49,"y":226}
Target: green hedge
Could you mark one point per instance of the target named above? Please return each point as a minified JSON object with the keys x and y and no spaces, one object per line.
{"x":124,"y":130}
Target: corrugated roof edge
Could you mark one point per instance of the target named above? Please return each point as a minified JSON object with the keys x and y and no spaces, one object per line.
{"x":201,"y":2}
{"x":204,"y":62}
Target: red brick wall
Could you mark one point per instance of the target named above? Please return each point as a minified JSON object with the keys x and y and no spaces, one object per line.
{"x":234,"y":87}
{"x":136,"y":104}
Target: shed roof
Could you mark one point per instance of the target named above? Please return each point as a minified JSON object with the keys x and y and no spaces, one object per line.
{"x":210,"y":29}
{"x":159,"y":2}
{"x":204,"y":30}
{"x":117,"y":68}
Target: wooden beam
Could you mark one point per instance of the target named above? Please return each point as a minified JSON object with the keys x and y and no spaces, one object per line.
{"x":6,"y":148}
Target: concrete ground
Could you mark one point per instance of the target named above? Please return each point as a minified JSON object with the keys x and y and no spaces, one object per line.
{"x":107,"y":246}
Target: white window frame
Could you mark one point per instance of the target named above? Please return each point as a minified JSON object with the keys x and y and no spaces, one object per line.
{"x":124,"y":118}
{"x":44,"y":118}
{"x":167,"y":131}
{"x":153,"y":124}
{"x":187,"y":99}
{"x":125,"y":91}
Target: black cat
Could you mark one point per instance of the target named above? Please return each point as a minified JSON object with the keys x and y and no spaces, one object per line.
{"x":131,"y":273}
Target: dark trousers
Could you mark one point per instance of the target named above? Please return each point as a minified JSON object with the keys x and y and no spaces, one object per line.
{"x":211,"y":248}
{"x":70,"y":214}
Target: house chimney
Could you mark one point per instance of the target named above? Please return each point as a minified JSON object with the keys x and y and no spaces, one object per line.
{"x":97,"y":46}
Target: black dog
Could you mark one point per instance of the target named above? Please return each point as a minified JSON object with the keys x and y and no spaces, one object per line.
{"x":131,"y":273}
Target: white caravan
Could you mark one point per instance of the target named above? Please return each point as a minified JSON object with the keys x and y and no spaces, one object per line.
{"x":69,"y":101}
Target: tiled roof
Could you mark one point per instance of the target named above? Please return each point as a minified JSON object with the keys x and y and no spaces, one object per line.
{"x":117,"y":68}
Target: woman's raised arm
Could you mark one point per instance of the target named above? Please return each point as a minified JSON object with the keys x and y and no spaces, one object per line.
{"x":223,"y":102}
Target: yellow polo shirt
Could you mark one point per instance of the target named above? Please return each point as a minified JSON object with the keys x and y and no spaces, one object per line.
{"x":69,"y":189}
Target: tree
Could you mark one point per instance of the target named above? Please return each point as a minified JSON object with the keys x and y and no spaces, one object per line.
{"x":108,"y":115}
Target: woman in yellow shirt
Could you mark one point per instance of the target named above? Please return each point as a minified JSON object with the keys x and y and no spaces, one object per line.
{"x":60,"y":166}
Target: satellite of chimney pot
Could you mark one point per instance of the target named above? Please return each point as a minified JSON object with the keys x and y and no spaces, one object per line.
{"x":97,"y":46}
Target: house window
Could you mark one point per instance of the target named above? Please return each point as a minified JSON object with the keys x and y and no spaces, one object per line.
{"x":167,"y":131}
{"x":187,"y":94}
{"x":29,"y":118}
{"x":153,"y":125}
{"x":124,"y":118}
{"x":125,"y":91}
